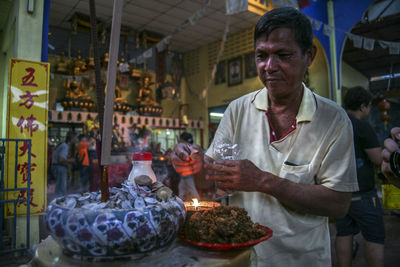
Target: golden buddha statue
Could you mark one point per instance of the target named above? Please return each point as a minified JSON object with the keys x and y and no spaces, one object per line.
{"x":91,"y":63}
{"x":77,"y":71}
{"x":118,"y":95}
{"x":79,"y":63}
{"x":75,"y":90}
{"x":146,"y":96}
{"x":62,"y":66}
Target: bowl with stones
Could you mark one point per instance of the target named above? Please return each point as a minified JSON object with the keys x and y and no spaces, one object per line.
{"x":140,"y":216}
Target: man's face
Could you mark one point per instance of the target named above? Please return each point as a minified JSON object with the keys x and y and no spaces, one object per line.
{"x":365,"y":109}
{"x":280,"y":62}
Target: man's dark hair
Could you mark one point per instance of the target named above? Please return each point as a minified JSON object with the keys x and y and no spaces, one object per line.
{"x":286,"y":17}
{"x":70,"y":135}
{"x":355,"y":97}
{"x":187,"y":137}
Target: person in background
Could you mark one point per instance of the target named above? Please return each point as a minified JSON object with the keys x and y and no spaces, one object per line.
{"x":50,"y":150}
{"x":59,"y":163}
{"x":94,"y":170}
{"x":297,"y":163}
{"x":83,"y":163}
{"x":390,"y":145}
{"x":187,"y":187}
{"x":51,"y":180}
{"x":365,"y":212}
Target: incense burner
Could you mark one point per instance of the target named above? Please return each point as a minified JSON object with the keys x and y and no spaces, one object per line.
{"x":135,"y":219}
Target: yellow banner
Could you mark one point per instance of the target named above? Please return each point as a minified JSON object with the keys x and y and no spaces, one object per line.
{"x":28,"y":90}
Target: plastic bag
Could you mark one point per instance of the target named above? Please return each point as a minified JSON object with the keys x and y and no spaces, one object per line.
{"x":227,"y":151}
{"x":390,"y":197}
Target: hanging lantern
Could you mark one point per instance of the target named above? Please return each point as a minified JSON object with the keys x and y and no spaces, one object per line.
{"x":384,"y":106}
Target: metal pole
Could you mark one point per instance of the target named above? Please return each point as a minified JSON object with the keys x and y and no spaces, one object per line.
{"x":28,"y":197}
{"x":110,"y":92}
{"x":110,"y":86}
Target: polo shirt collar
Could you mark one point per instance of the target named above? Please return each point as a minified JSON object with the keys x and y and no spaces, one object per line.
{"x":307,"y":105}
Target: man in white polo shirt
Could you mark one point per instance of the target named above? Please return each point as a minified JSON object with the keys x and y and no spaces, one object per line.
{"x":297,"y":162}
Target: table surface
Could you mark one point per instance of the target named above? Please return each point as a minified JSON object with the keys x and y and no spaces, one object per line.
{"x":178,"y":253}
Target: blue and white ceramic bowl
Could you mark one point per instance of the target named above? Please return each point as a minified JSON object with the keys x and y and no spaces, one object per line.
{"x":105,"y":232}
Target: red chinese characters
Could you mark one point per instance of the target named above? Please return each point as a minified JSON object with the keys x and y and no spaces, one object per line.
{"x":22,"y":195}
{"x":29,"y":79}
{"x":29,"y":99}
{"x":23,"y":170}
{"x":28,"y":124}
{"x":24,"y":149}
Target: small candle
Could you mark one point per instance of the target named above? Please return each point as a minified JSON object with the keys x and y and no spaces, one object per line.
{"x":199,"y":206}
{"x":195,"y":203}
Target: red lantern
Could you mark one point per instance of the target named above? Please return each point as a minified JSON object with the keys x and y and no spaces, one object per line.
{"x":384,"y":106}
{"x":385,"y":117}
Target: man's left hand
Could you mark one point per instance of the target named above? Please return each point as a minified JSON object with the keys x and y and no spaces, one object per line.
{"x":241,"y":175}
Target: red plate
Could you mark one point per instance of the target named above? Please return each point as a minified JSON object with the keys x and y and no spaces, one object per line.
{"x":228,"y":246}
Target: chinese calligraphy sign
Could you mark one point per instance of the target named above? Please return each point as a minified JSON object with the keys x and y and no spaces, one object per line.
{"x":27,"y":119}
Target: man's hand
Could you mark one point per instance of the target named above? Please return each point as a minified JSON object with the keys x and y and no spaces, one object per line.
{"x":240,"y":175}
{"x":390,"y":145}
{"x":187,"y":159}
{"x":243,"y":175}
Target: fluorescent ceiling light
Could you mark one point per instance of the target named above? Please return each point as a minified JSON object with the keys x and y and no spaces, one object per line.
{"x":384,"y":77}
{"x":215,"y":114}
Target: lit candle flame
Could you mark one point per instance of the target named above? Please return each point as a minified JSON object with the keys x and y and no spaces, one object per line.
{"x":195,"y":203}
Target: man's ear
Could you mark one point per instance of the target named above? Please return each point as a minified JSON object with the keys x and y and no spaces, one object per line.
{"x":310,"y":54}
{"x":363,"y":107}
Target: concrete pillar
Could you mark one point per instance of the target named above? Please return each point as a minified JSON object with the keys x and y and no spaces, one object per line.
{"x":22,"y":39}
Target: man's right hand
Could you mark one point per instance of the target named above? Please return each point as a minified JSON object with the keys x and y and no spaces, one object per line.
{"x":187,"y":159}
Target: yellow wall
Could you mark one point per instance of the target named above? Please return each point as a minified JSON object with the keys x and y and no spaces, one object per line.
{"x":22,"y":39}
{"x":190,"y":92}
{"x":351,"y":77}
{"x":319,"y":75}
{"x":221,"y":94}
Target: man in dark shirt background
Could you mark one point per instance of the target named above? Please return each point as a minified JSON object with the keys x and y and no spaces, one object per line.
{"x":365,"y":212}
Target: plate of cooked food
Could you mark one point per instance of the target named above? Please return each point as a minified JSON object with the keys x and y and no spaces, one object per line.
{"x":223,"y":228}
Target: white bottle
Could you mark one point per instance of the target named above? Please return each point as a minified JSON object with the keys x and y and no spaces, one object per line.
{"x":141,"y":165}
